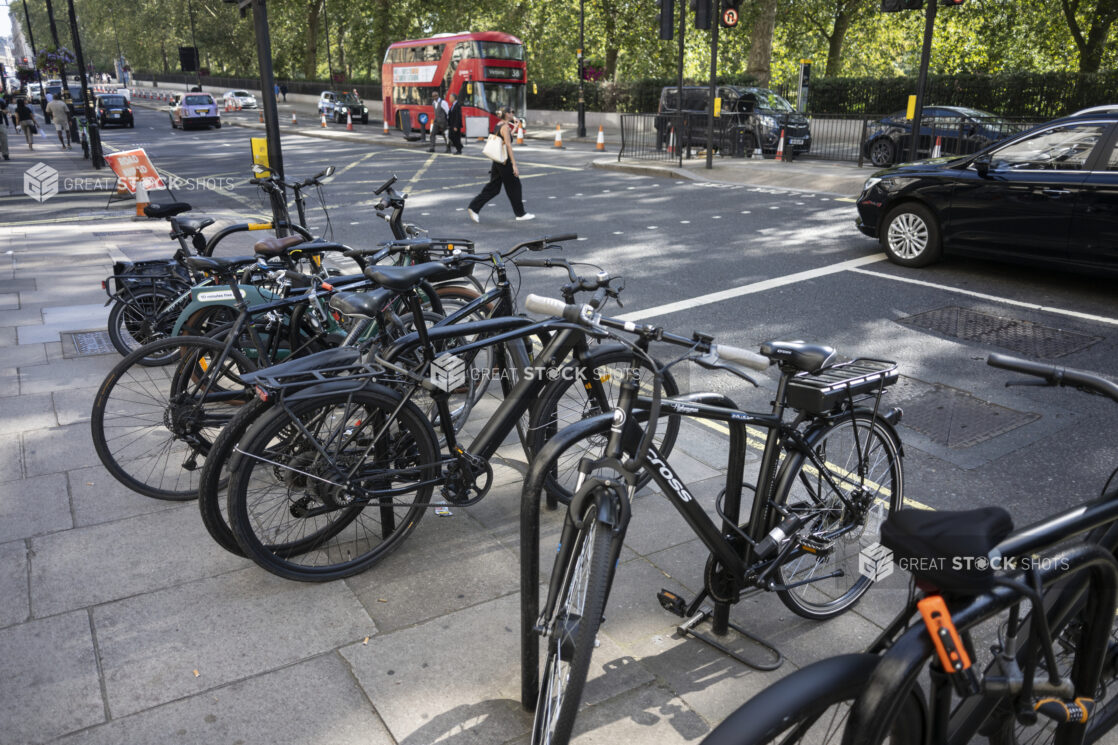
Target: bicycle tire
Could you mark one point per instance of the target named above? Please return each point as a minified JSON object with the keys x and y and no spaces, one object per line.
{"x":131,"y":318}
{"x":811,"y":706}
{"x":146,"y":419}
{"x":290,"y":478}
{"x":586,"y":585}
{"x":566,"y":400}
{"x":803,"y":489}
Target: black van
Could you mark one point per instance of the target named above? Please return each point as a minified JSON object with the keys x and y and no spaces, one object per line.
{"x":749,"y":118}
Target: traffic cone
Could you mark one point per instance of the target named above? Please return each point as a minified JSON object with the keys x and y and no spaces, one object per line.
{"x":228,"y":106}
{"x":938,"y":148}
{"x":520,"y":135}
{"x":141,"y":198}
{"x":324,"y":121}
{"x":780,"y":148}
{"x":385,"y":126}
{"x":558,"y":136}
{"x":671,"y":141}
{"x":348,"y":121}
{"x":262,"y":116}
{"x":294,"y":121}
{"x":601,"y":139}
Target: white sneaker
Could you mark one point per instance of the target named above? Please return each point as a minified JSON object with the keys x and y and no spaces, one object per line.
{"x":527,"y":216}
{"x":474,"y":216}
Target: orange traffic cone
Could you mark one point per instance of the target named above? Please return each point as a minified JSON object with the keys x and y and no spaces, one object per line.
{"x":324,"y":121}
{"x":601,"y":139}
{"x":262,"y":116}
{"x":141,"y":198}
{"x":671,"y":141}
{"x":780,"y":147}
{"x":558,"y":136}
{"x":520,"y":135}
{"x":938,"y":149}
{"x":348,"y":121}
{"x":228,"y":106}
{"x":238,"y":104}
{"x":386,"y":126}
{"x":294,"y":121}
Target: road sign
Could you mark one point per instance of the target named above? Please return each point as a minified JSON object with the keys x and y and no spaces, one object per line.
{"x":730,"y":17}
{"x":260,"y":153}
{"x":132,"y":165}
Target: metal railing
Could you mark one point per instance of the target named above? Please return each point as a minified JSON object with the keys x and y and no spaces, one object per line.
{"x":682,"y":136}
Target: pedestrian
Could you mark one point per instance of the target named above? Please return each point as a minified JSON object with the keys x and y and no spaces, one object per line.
{"x":438,"y":121}
{"x":4,"y":142}
{"x":275,"y":90}
{"x":505,"y":174}
{"x":3,"y":112}
{"x":26,"y":118}
{"x":283,"y":91}
{"x":60,"y":115}
{"x":454,"y":123}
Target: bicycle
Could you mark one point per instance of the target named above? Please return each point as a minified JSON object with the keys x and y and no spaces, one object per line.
{"x":827,"y":478}
{"x":1062,"y":652}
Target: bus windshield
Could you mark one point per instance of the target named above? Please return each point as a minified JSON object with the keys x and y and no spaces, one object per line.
{"x":494,"y":96}
{"x":499,"y":50}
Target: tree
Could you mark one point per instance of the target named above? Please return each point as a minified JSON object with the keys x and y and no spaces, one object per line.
{"x":1098,"y":20}
{"x":761,"y":41}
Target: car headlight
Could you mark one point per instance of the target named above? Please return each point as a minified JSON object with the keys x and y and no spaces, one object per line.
{"x":871,"y":182}
{"x":364,"y":110}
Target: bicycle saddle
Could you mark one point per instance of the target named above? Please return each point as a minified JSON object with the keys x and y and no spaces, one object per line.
{"x":363,"y":304}
{"x":218,"y":266}
{"x":277,"y":246}
{"x":948,"y":549}
{"x":402,"y":278}
{"x":800,"y":355}
{"x":337,"y":357}
{"x":192,"y":225}
{"x":169,"y":209}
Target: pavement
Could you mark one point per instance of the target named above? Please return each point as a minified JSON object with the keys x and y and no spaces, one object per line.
{"x":122,"y":622}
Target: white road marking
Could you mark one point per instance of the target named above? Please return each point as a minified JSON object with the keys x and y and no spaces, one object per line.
{"x":995,"y":298}
{"x":762,"y":286}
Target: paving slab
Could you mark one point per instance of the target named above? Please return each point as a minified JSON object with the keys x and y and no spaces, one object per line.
{"x":226,"y":628}
{"x":48,"y":662}
{"x":22,"y":413}
{"x":81,"y":372}
{"x":73,"y":405}
{"x":105,"y":562}
{"x":7,"y":334}
{"x":650,"y":715}
{"x":67,"y":318}
{"x":16,"y":607}
{"x":31,"y":507}
{"x":58,"y":449}
{"x":11,"y":466}
{"x":330,"y":710}
{"x":25,"y":355}
{"x":97,"y":497}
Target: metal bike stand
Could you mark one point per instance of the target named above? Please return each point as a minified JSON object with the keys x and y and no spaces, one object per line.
{"x":720,"y":626}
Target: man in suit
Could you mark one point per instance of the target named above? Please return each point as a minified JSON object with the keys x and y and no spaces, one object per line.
{"x":438,"y":121}
{"x":454,"y":122}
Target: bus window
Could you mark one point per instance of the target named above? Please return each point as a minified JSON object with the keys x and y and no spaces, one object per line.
{"x":499,"y":50}
{"x":496,"y":96}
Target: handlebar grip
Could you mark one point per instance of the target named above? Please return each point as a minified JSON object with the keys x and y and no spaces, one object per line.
{"x":540,"y":263}
{"x":741,"y":356}
{"x":549,"y":306}
{"x":560,"y":238}
{"x":1056,"y":375}
{"x":384,"y":186}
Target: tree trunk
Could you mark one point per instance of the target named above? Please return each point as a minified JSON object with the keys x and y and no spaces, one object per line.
{"x":610,"y":18}
{"x":843,"y":19}
{"x":761,"y":42}
{"x":1092,"y":44}
{"x":163,"y":48}
{"x":383,"y":9}
{"x":310,"y":61}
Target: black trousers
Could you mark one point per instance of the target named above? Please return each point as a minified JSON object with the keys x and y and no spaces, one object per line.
{"x":455,"y":139}
{"x":501,"y":175}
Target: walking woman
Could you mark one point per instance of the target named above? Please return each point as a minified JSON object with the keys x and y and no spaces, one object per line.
{"x":26,"y":118}
{"x":505,"y":174}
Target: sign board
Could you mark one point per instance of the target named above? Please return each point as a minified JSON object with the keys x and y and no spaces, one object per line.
{"x":477,"y":126}
{"x":132,"y":165}
{"x":414,"y":74}
{"x":717,"y":106}
{"x":260,"y":153}
{"x":910,"y":113}
{"x":730,"y":17}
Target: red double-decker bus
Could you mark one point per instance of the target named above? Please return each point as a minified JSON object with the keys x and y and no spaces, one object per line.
{"x":485,"y":70}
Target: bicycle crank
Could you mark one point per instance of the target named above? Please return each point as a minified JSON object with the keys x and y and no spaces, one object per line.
{"x":468,"y":479}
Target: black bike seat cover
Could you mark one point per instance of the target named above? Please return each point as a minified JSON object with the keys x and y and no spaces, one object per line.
{"x":337,"y":357}
{"x":166,"y":209}
{"x":218,"y":265}
{"x":363,"y":304}
{"x":402,"y":278}
{"x":947,"y":549}
{"x":272,"y":246}
{"x":192,"y":225}
{"x":800,"y":355}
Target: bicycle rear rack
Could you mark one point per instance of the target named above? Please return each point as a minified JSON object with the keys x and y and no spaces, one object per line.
{"x":826,"y":390}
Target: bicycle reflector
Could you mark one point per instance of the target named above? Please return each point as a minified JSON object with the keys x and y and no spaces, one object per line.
{"x":952,"y":654}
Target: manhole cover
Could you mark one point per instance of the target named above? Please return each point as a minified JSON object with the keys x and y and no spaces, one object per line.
{"x":955,"y":418}
{"x":86,"y":344}
{"x":1024,"y":337}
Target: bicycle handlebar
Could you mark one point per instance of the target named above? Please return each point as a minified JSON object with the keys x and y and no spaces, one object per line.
{"x":1053,"y":375}
{"x":386,"y":185}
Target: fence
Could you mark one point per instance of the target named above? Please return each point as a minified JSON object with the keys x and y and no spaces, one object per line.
{"x":368,"y":91}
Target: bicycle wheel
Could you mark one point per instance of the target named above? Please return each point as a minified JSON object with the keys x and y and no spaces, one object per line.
{"x":842,"y":496}
{"x":812,"y":706}
{"x":215,"y":475}
{"x":306,"y":497}
{"x":139,"y":319}
{"x":572,"y":631}
{"x":570,"y":398}
{"x":152,"y":426}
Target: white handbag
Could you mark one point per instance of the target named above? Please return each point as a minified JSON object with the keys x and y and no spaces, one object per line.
{"x":495,"y":149}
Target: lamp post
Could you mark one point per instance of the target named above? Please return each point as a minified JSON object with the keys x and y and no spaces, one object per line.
{"x":194,"y":43}
{"x":35,"y":58}
{"x":581,"y":47}
{"x":329,"y":56}
{"x":96,"y":156}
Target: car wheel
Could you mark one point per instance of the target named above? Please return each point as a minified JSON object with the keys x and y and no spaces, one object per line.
{"x":173,"y":125}
{"x":911,"y":235}
{"x":365,"y":119}
{"x":132,"y":124}
{"x":217,"y":126}
{"x":882,"y":152}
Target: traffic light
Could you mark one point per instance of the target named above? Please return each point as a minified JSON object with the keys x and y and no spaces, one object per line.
{"x":730,"y":13}
{"x":188,"y":58}
{"x":893,"y":6}
{"x":702,"y":13}
{"x":667,"y":18}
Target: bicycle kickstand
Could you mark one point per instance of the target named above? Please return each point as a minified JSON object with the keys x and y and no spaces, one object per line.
{"x":696,"y":613}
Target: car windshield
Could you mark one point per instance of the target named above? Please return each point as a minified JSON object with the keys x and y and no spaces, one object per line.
{"x":198,"y":101}
{"x":348,"y":98}
{"x":772,"y":101}
{"x":242,"y":94}
{"x":112,"y":100}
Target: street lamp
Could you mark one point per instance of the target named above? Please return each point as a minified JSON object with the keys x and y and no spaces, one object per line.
{"x":581,"y":46}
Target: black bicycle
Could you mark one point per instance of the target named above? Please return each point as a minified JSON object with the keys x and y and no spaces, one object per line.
{"x":1046,"y":676}
{"x":829,"y":475}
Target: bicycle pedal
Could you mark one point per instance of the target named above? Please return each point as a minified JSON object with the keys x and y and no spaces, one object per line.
{"x":816,"y":546}
{"x":672,"y":603}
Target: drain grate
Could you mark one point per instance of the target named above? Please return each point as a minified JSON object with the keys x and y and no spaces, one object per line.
{"x":954,"y":418}
{"x":1025,"y":337}
{"x":86,"y":344}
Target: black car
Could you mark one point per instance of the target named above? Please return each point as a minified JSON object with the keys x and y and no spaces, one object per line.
{"x":958,"y":129}
{"x":750,"y":118}
{"x":337,"y":104}
{"x":113,"y":108}
{"x":1047,"y":196}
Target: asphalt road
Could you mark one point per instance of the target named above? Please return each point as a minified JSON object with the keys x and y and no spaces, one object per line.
{"x":791,"y":262}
